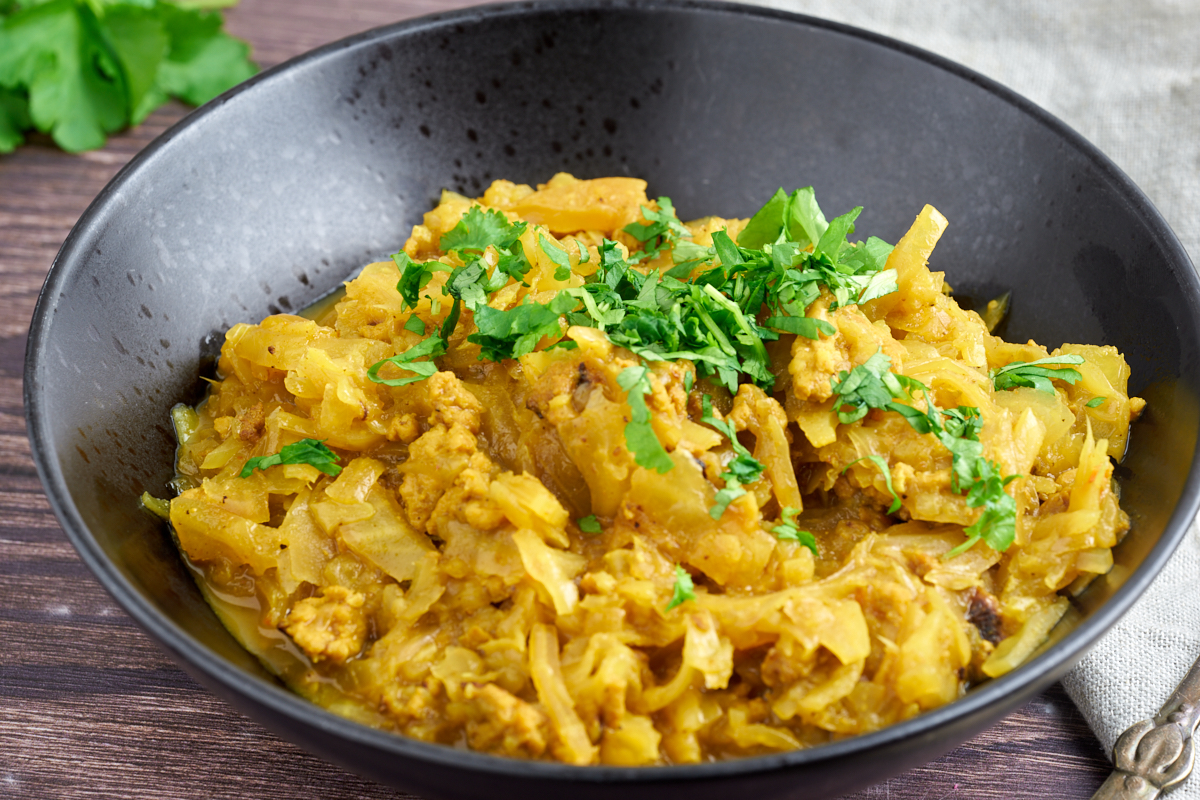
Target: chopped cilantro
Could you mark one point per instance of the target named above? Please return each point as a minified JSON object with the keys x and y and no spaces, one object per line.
{"x":517,"y":331}
{"x":663,"y":230}
{"x":640,"y":437}
{"x":1095,"y":402}
{"x":433,"y":347}
{"x":789,"y":531}
{"x":684,"y":589}
{"x":743,"y":469}
{"x":873,"y":385}
{"x":479,"y":229}
{"x":590,"y":524}
{"x":305,"y":451}
{"x":555,"y":253}
{"x":882,"y":463}
{"x":1035,"y":376}
{"x":82,"y":69}
{"x":415,"y":325}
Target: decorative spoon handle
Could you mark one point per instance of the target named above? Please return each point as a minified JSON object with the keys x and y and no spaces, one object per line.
{"x":1154,"y":755}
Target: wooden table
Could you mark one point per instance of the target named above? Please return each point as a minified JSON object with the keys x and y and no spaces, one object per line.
{"x":91,"y":708}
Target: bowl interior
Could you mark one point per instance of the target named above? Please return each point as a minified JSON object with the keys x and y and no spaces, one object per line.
{"x":269,"y":197}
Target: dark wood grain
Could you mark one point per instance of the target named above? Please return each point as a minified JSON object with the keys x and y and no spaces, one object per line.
{"x":91,"y":708}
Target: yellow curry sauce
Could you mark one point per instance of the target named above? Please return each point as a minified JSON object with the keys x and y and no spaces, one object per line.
{"x":449,"y":584}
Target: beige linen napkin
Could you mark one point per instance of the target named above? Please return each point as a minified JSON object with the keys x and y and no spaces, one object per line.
{"x":1126,"y":75}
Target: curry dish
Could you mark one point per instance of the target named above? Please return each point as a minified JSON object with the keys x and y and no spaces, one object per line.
{"x":570,"y":479}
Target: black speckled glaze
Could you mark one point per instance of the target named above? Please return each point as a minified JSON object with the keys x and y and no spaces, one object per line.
{"x":268,"y":197}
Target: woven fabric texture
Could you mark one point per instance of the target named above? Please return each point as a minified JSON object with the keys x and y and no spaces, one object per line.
{"x":1126,"y":75}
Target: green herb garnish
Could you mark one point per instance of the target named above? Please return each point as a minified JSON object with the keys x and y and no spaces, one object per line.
{"x":433,"y":347}
{"x":82,"y":69}
{"x":640,"y":437}
{"x":1095,"y":402}
{"x":1035,"y":376}
{"x":873,"y":385}
{"x":684,"y":590}
{"x":743,"y":469}
{"x":589,"y":524}
{"x":788,"y":531}
{"x":882,"y":463}
{"x":305,"y":451}
{"x":663,"y":230}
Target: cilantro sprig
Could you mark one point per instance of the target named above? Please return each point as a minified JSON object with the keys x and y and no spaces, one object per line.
{"x":684,"y":590}
{"x":1035,"y":374}
{"x":705,"y":309}
{"x":872,"y":385}
{"x":742,"y":469}
{"x":640,"y":437}
{"x":82,"y":69}
{"x":663,"y":231}
{"x":305,"y":451}
{"x":789,"y":531}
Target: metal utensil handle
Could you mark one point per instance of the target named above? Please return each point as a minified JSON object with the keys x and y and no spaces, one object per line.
{"x":1154,"y":755}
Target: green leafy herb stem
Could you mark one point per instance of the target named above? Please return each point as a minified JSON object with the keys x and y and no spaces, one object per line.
{"x":305,"y":451}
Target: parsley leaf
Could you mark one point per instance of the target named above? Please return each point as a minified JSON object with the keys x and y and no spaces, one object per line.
{"x":789,"y":531}
{"x":1095,"y":402}
{"x":1020,"y":373}
{"x":640,"y":437}
{"x":433,"y":347}
{"x":684,"y":589}
{"x":305,"y":451}
{"x":590,"y":524}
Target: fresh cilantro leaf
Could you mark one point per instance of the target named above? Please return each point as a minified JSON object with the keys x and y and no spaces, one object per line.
{"x":305,"y":451}
{"x":881,"y":283}
{"x":517,"y":331}
{"x":414,"y":276}
{"x":743,"y":469}
{"x":689,"y":380}
{"x":562,"y":261}
{"x":882,"y":463}
{"x":478,"y":229}
{"x":663,"y":230}
{"x":1033,"y":375}
{"x":415,"y":325}
{"x":14,"y":119}
{"x":589,"y":524}
{"x":997,"y":525}
{"x":868,"y":256}
{"x":640,"y":437}
{"x":767,"y":223}
{"x":57,"y":52}
{"x":863,"y":388}
{"x":806,"y":224}
{"x":808,"y":327}
{"x":684,"y":589}
{"x":789,"y":531}
{"x":833,"y":240}
{"x":432,"y":347}
{"x":202,"y":61}
{"x":1095,"y":402}
{"x":89,"y":68}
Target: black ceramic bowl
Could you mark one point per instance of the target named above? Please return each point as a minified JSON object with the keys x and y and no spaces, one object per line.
{"x":266,"y":198}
